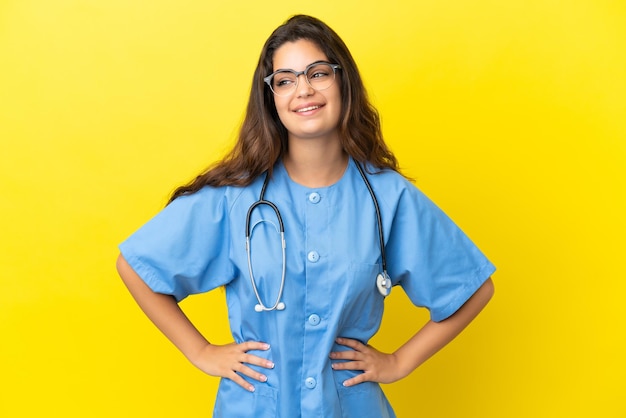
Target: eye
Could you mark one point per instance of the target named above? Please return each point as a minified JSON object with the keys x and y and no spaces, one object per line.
{"x":318,"y":72}
{"x":284,"y":80}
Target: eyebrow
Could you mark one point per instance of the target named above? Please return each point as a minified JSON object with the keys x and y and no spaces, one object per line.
{"x":313,"y":63}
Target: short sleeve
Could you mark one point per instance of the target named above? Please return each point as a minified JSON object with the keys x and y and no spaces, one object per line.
{"x":184,"y":249}
{"x":437,"y":265}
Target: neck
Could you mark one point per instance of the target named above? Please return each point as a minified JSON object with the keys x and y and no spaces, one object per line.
{"x":315,"y":164}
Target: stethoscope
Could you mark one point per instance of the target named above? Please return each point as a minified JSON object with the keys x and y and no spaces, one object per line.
{"x":383,"y":282}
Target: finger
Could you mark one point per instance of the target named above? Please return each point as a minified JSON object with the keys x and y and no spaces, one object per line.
{"x":349,"y":365}
{"x":363,"y":377}
{"x":349,"y":342}
{"x":251,"y":373}
{"x":242,"y":382}
{"x":257,"y":361}
{"x":254,"y":345}
{"x":345,"y":355}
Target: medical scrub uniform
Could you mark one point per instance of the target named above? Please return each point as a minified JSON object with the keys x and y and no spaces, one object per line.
{"x":197,"y":243}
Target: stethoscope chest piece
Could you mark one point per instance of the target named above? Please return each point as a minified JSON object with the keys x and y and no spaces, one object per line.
{"x":383,"y":283}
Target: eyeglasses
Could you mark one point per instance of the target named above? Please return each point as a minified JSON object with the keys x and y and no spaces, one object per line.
{"x":320,"y":75}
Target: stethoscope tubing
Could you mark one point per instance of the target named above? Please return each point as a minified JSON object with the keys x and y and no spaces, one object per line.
{"x":383,"y":280}
{"x":379,"y":219}
{"x":278,"y":305}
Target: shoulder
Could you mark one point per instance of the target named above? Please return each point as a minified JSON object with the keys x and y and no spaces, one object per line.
{"x":390,"y":178}
{"x":401,"y":199}
{"x":209,"y":198}
{"x":391,"y":187}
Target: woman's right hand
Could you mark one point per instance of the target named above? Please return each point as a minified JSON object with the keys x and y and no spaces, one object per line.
{"x":232,"y":360}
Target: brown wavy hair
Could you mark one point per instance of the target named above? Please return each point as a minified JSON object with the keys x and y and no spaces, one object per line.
{"x":263,"y":138}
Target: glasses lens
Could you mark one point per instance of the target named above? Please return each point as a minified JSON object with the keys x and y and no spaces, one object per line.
{"x":283,"y":83}
{"x":320,"y":76}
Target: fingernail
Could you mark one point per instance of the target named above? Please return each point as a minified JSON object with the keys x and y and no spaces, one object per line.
{"x":270,"y":365}
{"x":345,"y":383}
{"x":251,"y":388}
{"x":266,"y":346}
{"x":263,"y":378}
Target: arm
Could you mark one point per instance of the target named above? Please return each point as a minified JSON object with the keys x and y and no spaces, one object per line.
{"x":433,"y":336}
{"x":164,"y":312}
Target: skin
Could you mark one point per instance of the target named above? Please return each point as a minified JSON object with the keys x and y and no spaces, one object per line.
{"x":315,"y":159}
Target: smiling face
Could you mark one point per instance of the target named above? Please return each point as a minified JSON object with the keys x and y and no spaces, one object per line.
{"x":307,"y":113}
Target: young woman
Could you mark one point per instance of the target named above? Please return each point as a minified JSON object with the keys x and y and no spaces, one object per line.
{"x":307,"y":224}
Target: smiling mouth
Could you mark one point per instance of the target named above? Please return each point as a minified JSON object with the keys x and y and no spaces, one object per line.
{"x":307,"y":109}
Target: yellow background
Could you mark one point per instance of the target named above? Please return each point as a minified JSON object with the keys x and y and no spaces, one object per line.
{"x":509,"y":114}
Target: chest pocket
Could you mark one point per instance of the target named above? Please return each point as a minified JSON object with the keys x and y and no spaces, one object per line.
{"x":363,"y":305}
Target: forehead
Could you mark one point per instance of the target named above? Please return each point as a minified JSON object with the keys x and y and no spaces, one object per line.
{"x":297,"y":55}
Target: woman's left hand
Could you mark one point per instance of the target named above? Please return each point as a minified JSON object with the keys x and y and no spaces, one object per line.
{"x":387,"y":368}
{"x":376,"y":366}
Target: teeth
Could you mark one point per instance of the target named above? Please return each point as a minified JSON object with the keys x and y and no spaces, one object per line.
{"x":306,"y":109}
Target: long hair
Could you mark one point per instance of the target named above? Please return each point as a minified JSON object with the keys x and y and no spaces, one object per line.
{"x":263,"y":138}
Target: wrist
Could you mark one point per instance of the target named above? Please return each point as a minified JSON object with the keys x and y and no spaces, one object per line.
{"x":404,"y":363}
{"x":198,"y":352}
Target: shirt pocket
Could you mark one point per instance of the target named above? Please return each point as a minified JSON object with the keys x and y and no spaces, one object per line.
{"x":233,"y":401}
{"x":365,"y":400}
{"x":362,"y":302}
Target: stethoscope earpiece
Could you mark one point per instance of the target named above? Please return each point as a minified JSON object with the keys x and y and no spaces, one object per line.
{"x":279,"y":307}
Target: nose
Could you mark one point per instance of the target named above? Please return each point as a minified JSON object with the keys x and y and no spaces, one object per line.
{"x":303,"y":87}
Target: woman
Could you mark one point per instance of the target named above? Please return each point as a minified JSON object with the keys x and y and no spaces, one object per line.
{"x":310,"y":148}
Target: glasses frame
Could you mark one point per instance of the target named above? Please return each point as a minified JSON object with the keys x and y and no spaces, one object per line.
{"x":297,"y":74}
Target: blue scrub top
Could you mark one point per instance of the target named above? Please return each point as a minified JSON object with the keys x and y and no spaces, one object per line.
{"x":197,"y":243}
